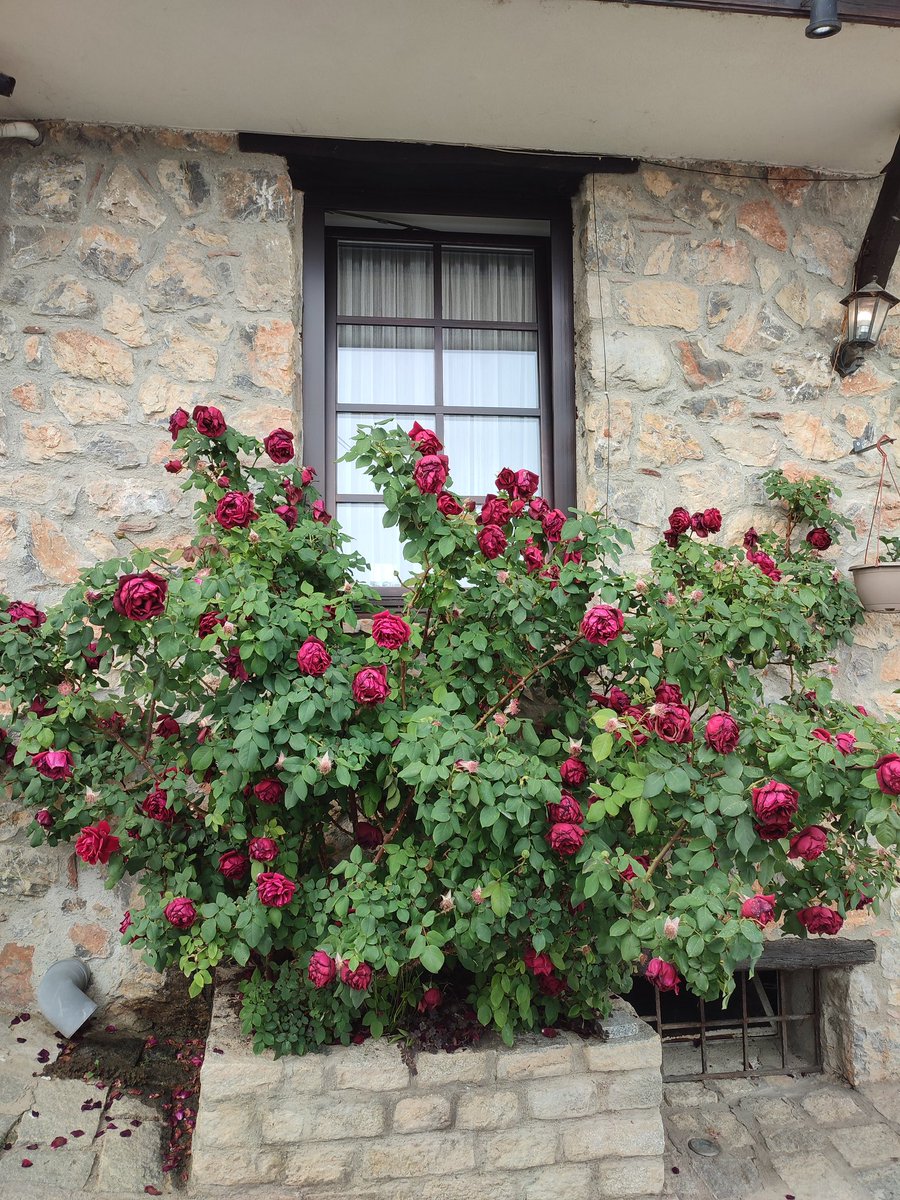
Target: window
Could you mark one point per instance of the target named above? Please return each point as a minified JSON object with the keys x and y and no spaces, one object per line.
{"x":443,"y":320}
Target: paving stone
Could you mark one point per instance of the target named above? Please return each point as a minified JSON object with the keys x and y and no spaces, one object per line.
{"x":832,"y":1106}
{"x":886,"y":1098}
{"x":882,"y":1183}
{"x":729,"y":1178}
{"x":130,"y":1164}
{"x":868,"y":1145}
{"x":709,"y":1121}
{"x":50,"y":1169}
{"x":817,"y":1177}
{"x":57,"y":1103}
{"x":684,"y":1095}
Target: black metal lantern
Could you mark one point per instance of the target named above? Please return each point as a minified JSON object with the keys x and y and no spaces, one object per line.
{"x":823,"y":19}
{"x":867,"y":311}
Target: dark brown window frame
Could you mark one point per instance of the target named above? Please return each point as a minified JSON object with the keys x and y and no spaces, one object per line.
{"x":863,"y":12}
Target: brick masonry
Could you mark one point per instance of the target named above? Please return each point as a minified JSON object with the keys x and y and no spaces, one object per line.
{"x":544,"y":1118}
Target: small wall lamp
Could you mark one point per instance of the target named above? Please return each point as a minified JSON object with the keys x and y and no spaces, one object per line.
{"x":824,"y":21}
{"x":867,"y":310}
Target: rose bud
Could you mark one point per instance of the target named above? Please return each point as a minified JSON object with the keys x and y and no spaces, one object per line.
{"x":425,"y":440}
{"x":448,"y":505}
{"x":209,"y":421}
{"x":233,"y":864}
{"x":322,"y":969}
{"x":629,"y":872}
{"x":822,"y":734}
{"x":537,"y":964}
{"x":180,"y":912}
{"x":370,"y":686}
{"x":53,"y":764}
{"x":887,"y":772}
{"x":722,"y":732}
{"x":602,"y":624}
{"x":672,"y":724}
{"x":819,"y":538}
{"x":759,"y":909}
{"x":44,"y":818}
{"x":274,"y":890}
{"x":552,"y":522}
{"x":319,"y":513}
{"x":233,"y":665}
{"x":492,"y":541}
{"x":668,"y":693}
{"x":430,"y":473}
{"x":288,"y":514}
{"x":313,"y":658}
{"x":819,"y":919}
{"x":662,"y":975}
{"x":279,"y":445}
{"x":671,"y":538}
{"x":568,"y":811}
{"x":565,"y":838}
{"x":292,"y":493}
{"x":368,"y":836}
{"x":177,"y":421}
{"x":431,"y":999}
{"x":140,"y":597}
{"x":174,"y":466}
{"x":809,"y":843}
{"x":845,"y":742}
{"x":235,"y":510}
{"x":95,"y":844}
{"x":360,"y":979}
{"x":390,"y":631}
{"x":269,"y":791}
{"x":679,"y":520}
{"x":262,"y":849}
{"x":573,"y":772}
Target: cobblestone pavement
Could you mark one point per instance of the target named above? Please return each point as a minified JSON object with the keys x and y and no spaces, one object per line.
{"x":803,"y":1138}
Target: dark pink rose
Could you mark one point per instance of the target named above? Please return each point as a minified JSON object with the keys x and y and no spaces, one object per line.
{"x":494,"y":511}
{"x":448,"y":505}
{"x":822,"y":734}
{"x":262,"y":849}
{"x":551,"y":985}
{"x":819,"y":538}
{"x":370,"y":686}
{"x":41,"y":708}
{"x":320,"y":513}
{"x":573,"y":772}
{"x":140,"y":597}
{"x":279,"y":445}
{"x":722,"y":732}
{"x":638,"y":715}
{"x":390,"y":631}
{"x":505,"y":481}
{"x":208,"y":622}
{"x":95,"y":843}
{"x":233,"y":665}
{"x":698,"y":525}
{"x":53,"y":764}
{"x":537,"y":506}
{"x":662,"y":975}
{"x":92,"y":660}
{"x":679,"y":520}
{"x":552,"y":523}
{"x":808,"y":843}
{"x":274,"y":890}
{"x":177,"y":421}
{"x":288,"y":514}
{"x":431,"y":999}
{"x":673,"y":724}
{"x":860,"y":709}
{"x":269,"y":791}
{"x":322,"y":969}
{"x":565,"y":838}
{"x":360,"y":979}
{"x":668,"y":693}
{"x":774,"y":831}
{"x":845,"y":742}
{"x":307,"y":475}
{"x":533,"y":556}
{"x":367,"y":835}
{"x":516,"y":508}
{"x":537,"y":964}
{"x":491,"y":541}
{"x":671,"y":538}
{"x":292,"y":493}
{"x":235,"y":510}
{"x":174,"y":466}
{"x":233,"y":864}
{"x":430,"y":473}
{"x":526,"y":484}
{"x":180,"y":912}
{"x":760,"y":909}
{"x":167,"y":727}
{"x":126,"y":922}
{"x":819,"y":919}
{"x":574,"y":555}
{"x":619,"y":701}
{"x":44,"y":818}
{"x":712,"y":520}
{"x":426,"y":440}
{"x":629,"y":872}
{"x":887,"y":772}
{"x":774,"y":802}
{"x":21,"y":610}
{"x":751,"y":539}
{"x":567,"y":812}
{"x":602,"y":624}
{"x":155,"y":806}
{"x":313,"y":658}
{"x":209,"y":421}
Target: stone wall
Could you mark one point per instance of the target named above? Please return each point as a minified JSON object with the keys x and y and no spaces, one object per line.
{"x":546,"y":1118}
{"x":139,"y":272}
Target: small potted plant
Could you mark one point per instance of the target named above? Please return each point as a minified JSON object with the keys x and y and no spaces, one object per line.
{"x":878,"y":583}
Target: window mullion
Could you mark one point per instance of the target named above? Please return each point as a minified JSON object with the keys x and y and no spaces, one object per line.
{"x":437,"y":276}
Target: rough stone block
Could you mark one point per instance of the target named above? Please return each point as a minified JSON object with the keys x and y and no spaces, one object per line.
{"x":220,"y":1169}
{"x":331,"y":1162}
{"x":127,"y":1165}
{"x":374,"y":1066}
{"x":631,"y":1089}
{"x":628,"y":1055}
{"x":564,"y":1180}
{"x":57,"y":1103}
{"x":620,"y":1177}
{"x":414,"y":1114}
{"x":629,"y":1135}
{"x":867,"y":1146}
{"x":533,"y":1057}
{"x":228,"y":1078}
{"x":49,"y":1169}
{"x":528,"y":1145}
{"x":410,"y":1155}
{"x":324,"y":1118}
{"x":557,"y":1099}
{"x":463,"y":1066}
{"x":230,"y":1123}
{"x":832,"y":1106}
{"x":486,"y":1108}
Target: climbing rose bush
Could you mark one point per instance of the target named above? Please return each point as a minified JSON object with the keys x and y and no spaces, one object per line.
{"x":539,"y":777}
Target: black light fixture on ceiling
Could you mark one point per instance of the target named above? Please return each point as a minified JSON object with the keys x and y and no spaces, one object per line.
{"x":823,"y":19}
{"x":867,"y":310}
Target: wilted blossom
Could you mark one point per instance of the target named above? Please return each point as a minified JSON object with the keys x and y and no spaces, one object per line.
{"x":324,"y":764}
{"x":477,"y":896}
{"x":447,"y":903}
{"x":670,"y":927}
{"x":466,"y":764}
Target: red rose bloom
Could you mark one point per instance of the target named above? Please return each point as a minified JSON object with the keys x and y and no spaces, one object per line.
{"x":448,"y":505}
{"x":551,"y":985}
{"x":537,"y":964}
{"x":320,"y":514}
{"x":367,"y":835}
{"x":174,"y":466}
{"x":845,"y":742}
{"x":180,"y":912}
{"x":140,"y":597}
{"x":662,"y":975}
{"x":92,"y":661}
{"x":269,"y":791}
{"x":177,"y":421}
{"x":235,"y":510}
{"x":307,"y":475}
{"x":209,"y":421}
{"x":573,"y":772}
{"x":629,"y":872}
{"x":565,"y":838}
{"x":808,"y":843}
{"x":638,"y":715}
{"x":279,"y":445}
{"x":751,"y":538}
{"x":431,"y":999}
{"x":390,"y":631}
{"x":233,"y":864}
{"x":774,"y":803}
{"x":712,"y":520}
{"x":537,"y":507}
{"x":619,"y":701}
{"x":668,"y":693}
{"x":322,"y":969}
{"x":370,"y":686}
{"x":288,"y":514}
{"x":292,"y":493}
{"x":679,"y":520}
{"x":155,"y":806}
{"x":819,"y":538}
{"x":505,"y":481}
{"x":53,"y":764}
{"x":274,"y":890}
{"x":492,"y":541}
{"x":360,"y":979}
{"x":233,"y":665}
{"x":671,"y":538}
{"x":41,"y":708}
{"x":263,"y":849}
{"x":494,"y":511}
{"x":533,"y":556}
{"x":760,"y":909}
{"x":430,"y":473}
{"x":526,"y":484}
{"x":773,"y":831}
{"x":552,"y":523}
{"x":208,"y":623}
{"x":21,"y":610}
{"x":822,"y":734}
{"x":698,"y":525}
{"x":567,"y":812}
{"x":95,"y":843}
{"x":673,"y":724}
{"x":819,"y":919}
{"x":313,"y":658}
{"x":167,"y":727}
{"x":426,"y":440}
{"x":722,"y":732}
{"x":887,"y":772}
{"x":44,"y":818}
{"x":602,"y":624}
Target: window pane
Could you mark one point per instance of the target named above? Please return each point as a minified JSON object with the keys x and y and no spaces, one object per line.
{"x":479,"y":446}
{"x":384,"y":281}
{"x":488,"y":285}
{"x":491,"y":368}
{"x":385,"y":364}
{"x":350,"y":479}
{"x":379,"y":546}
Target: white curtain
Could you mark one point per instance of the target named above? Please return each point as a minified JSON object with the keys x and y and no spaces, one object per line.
{"x":488,"y":285}
{"x":385,"y":365}
{"x":490,"y":368}
{"x":384,"y":281}
{"x":479,"y":446}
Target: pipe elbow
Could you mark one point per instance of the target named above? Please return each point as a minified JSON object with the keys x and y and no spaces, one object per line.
{"x":23,"y":130}
{"x":61,"y":996}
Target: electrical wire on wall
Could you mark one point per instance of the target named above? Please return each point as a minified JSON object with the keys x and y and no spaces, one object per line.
{"x":603,"y":343}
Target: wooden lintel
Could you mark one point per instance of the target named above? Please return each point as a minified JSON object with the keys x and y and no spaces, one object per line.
{"x":862,"y":12}
{"x":808,"y":954}
{"x":882,"y":238}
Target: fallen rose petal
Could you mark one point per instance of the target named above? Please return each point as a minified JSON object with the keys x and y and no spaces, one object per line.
{"x":33,"y":1146}
{"x":57,"y":1142}
{"x":21,"y":1040}
{"x":550,"y":1032}
{"x":35,"y":1113}
{"x":76,"y":1133}
{"x":43,"y":1056}
{"x":125,"y":1133}
{"x":26,"y":1162}
{"x":136,"y":1124}
{"x":152,"y":1191}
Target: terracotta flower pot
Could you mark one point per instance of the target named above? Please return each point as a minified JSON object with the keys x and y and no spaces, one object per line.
{"x":878,"y":586}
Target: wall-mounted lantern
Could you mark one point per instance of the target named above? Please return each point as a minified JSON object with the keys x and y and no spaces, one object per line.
{"x":867,"y":310}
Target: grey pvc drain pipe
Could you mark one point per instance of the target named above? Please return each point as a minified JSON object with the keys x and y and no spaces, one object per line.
{"x":61,"y":997}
